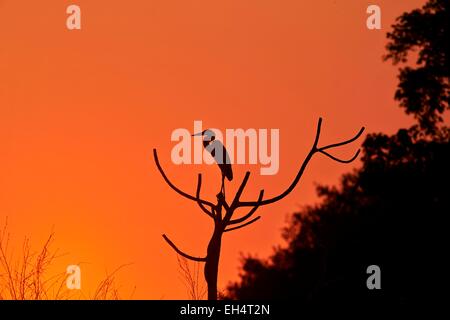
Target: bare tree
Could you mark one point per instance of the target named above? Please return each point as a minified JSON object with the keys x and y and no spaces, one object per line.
{"x":221,"y":212}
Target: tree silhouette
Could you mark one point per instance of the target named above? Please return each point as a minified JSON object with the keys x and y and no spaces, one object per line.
{"x":390,"y":212}
{"x":423,"y":90}
{"x":222,"y":212}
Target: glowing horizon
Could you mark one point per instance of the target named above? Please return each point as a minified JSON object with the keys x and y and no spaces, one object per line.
{"x":82,"y":111}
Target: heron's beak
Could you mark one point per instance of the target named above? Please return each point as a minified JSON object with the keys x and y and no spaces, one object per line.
{"x":197,"y":134}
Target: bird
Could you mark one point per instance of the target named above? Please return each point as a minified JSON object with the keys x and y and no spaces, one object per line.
{"x":220,"y":155}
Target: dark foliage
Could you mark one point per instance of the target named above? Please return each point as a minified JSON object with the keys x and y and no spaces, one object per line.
{"x":424,"y":89}
{"x":390,"y":212}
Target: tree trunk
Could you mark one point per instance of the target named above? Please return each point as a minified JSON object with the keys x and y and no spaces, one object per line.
{"x":212,"y":262}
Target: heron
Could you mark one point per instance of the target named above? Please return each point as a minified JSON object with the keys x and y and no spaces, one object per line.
{"x":220,"y":155}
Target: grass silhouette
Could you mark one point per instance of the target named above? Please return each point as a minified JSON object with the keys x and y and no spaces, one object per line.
{"x":192,"y":278}
{"x":26,"y":275}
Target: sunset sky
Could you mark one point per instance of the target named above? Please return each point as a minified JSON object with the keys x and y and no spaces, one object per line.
{"x":82,"y":110}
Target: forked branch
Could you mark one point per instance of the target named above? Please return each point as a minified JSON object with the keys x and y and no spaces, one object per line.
{"x":240,"y":190}
{"x":340,"y":160}
{"x":250,"y":213}
{"x":314,"y":149}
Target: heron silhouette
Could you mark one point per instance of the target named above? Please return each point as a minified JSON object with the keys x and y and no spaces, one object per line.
{"x":220,"y":155}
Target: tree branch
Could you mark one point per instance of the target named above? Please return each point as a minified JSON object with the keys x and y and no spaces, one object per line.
{"x":243,"y":225}
{"x":240,"y":190}
{"x":184,"y":194}
{"x":200,"y":204}
{"x":314,"y":149}
{"x":340,"y":160}
{"x":242,"y":186}
{"x":181,"y":253}
{"x":222,"y":202}
{"x":252,"y":211}
{"x":334,"y":145}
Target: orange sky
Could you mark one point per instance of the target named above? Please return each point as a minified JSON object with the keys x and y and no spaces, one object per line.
{"x":82,"y":110}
